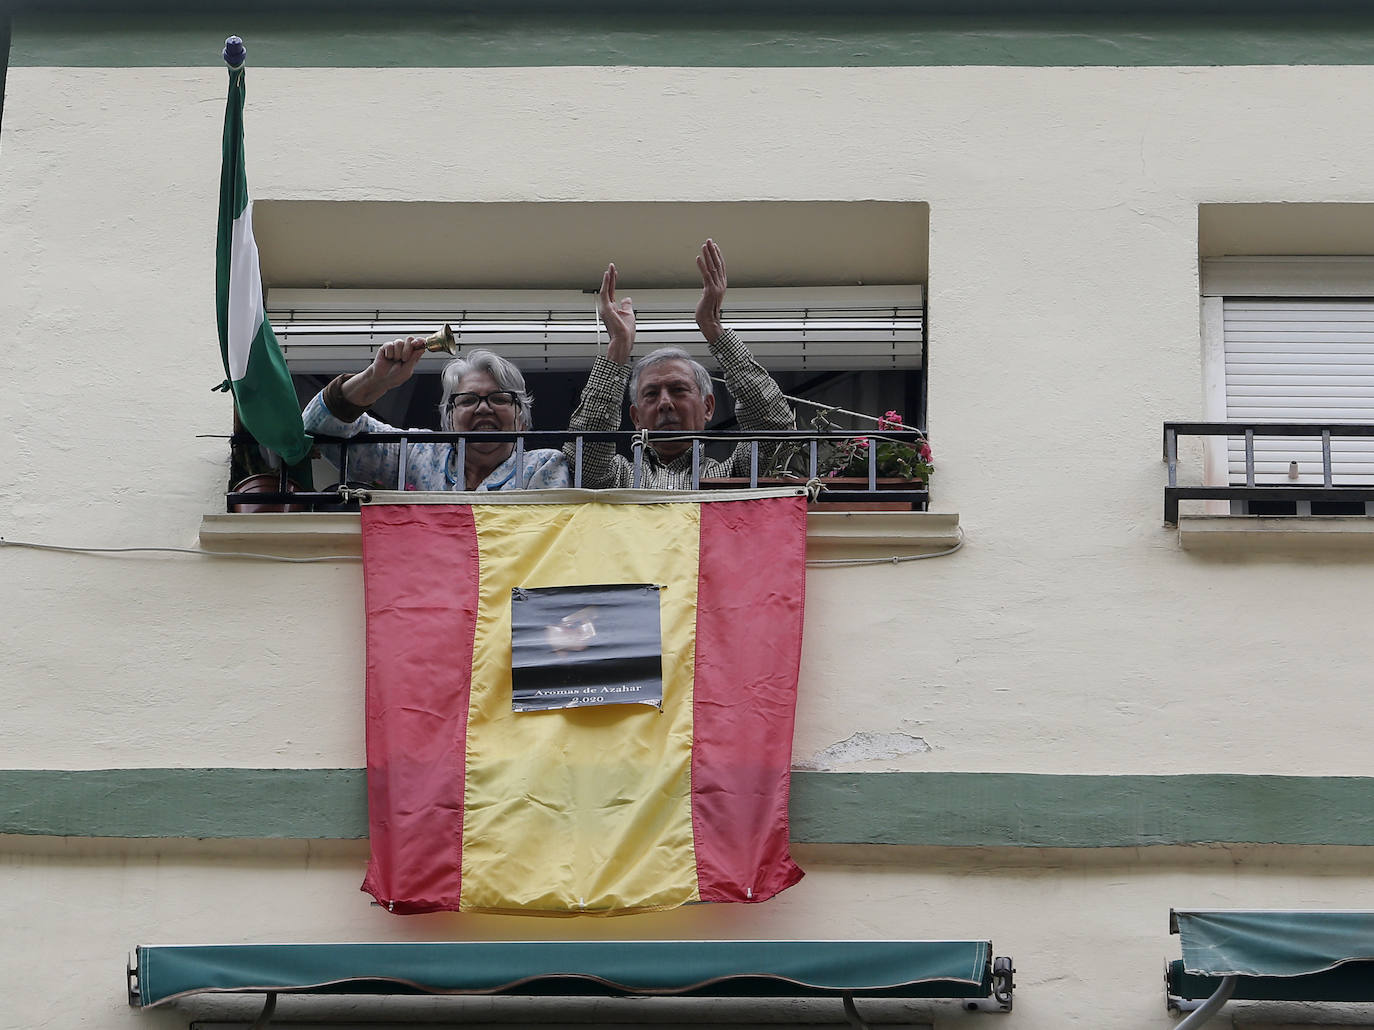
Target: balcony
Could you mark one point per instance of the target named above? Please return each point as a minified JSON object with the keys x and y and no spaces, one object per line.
{"x":863,"y":515}
{"x":805,"y":466}
{"x":1316,"y":488}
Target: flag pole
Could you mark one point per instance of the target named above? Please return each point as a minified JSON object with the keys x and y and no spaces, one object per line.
{"x":255,"y":370}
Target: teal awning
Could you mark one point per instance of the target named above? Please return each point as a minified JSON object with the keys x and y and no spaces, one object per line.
{"x":895,"y":969}
{"x":1274,"y":943}
{"x":1275,"y":955}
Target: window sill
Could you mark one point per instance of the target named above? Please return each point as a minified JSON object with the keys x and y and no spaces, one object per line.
{"x":1258,"y":534}
{"x":288,"y":533}
{"x":867,"y":532}
{"x":833,"y":533}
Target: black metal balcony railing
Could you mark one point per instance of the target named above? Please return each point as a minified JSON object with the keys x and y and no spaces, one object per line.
{"x":806,"y":462}
{"x":1329,"y":492}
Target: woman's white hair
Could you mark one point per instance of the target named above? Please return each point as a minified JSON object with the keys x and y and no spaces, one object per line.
{"x":507,"y":377}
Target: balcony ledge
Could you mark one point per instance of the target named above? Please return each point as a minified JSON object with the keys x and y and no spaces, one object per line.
{"x":832,"y":533}
{"x":1253,"y":534}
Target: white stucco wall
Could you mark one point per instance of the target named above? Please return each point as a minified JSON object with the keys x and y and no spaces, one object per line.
{"x":1071,"y":634}
{"x":1088,"y":930}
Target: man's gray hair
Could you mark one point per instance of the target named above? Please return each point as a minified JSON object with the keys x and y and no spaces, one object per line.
{"x":507,"y":377}
{"x":702,"y":376}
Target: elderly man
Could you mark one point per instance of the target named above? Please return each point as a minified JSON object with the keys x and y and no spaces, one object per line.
{"x":670,"y":391}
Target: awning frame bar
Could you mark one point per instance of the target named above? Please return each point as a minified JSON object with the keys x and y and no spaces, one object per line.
{"x":269,"y":1006}
{"x":1208,"y":1008}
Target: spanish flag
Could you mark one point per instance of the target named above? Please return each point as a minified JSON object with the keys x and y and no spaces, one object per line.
{"x":580,"y":706}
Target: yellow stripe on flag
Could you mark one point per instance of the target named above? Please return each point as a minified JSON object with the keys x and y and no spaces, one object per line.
{"x":584,"y":809}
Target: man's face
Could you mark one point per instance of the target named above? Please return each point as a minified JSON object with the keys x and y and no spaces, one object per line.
{"x":669,"y":398}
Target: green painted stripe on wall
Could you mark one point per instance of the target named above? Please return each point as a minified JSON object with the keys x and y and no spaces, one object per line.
{"x":943,"y":809}
{"x":749,"y":40}
{"x":694,"y":7}
{"x":1033,"y":810}
{"x":303,"y":804}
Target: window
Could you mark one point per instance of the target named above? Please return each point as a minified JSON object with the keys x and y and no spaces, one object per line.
{"x":344,"y":277}
{"x":858,"y":348}
{"x":814,"y":262}
{"x":1290,"y":340}
{"x":363,"y":272}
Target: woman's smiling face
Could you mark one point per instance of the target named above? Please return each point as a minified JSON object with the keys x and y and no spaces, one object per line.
{"x":484,"y":415}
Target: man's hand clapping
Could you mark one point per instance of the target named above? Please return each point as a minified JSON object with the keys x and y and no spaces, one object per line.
{"x":711,"y":264}
{"x":618,"y":317}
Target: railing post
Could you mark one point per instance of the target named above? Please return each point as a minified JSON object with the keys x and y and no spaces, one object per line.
{"x":519,"y":472}
{"x":753,"y":463}
{"x":401,"y":463}
{"x":1171,"y":454}
{"x":1326,"y":457}
{"x":577,"y":461}
{"x":696,"y":464}
{"x":1249,"y":457}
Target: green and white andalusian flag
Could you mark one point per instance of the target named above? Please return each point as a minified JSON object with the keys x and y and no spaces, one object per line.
{"x":253,"y":362}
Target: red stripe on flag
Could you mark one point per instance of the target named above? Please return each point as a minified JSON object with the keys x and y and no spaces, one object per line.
{"x":420,"y":576}
{"x":750,"y":593}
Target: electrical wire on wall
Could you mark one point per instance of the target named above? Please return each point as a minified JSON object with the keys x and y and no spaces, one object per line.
{"x":177,"y":550}
{"x":893,"y":559}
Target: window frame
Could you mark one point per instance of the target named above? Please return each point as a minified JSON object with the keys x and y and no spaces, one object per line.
{"x":1275,"y":277}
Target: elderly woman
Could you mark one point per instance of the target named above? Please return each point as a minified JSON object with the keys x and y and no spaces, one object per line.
{"x":482,"y":392}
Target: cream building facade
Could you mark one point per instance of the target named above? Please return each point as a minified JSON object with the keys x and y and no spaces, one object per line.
{"x":1049,"y":737}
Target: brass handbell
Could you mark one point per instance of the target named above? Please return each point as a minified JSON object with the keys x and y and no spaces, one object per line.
{"x":442,"y":341}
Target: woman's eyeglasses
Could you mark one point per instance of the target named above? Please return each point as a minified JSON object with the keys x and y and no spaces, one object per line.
{"x":496,"y":399}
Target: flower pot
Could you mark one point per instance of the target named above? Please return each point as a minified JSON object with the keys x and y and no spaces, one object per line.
{"x":861,"y":483}
{"x":263,"y":483}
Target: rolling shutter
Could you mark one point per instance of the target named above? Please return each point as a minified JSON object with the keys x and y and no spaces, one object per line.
{"x":1300,"y":360}
{"x":787,"y":329}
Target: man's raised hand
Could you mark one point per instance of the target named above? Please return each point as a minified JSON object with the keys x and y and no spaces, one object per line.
{"x":711,"y":264}
{"x":618,"y":317}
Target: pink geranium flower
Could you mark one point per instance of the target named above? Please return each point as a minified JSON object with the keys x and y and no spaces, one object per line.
{"x":899,"y":459}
